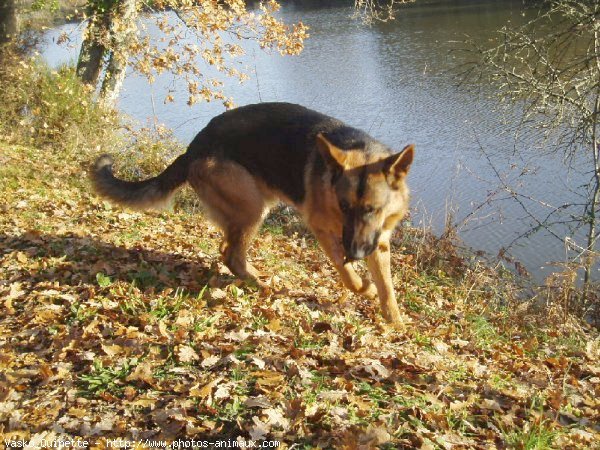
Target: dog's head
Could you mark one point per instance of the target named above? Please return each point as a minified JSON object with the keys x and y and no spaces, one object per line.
{"x":371,"y":192}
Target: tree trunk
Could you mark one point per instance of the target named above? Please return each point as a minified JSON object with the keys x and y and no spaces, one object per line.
{"x":591,"y":235}
{"x":123,"y":29}
{"x":593,"y":220}
{"x":92,"y":50}
{"x":593,"y":224}
{"x":9,"y":26}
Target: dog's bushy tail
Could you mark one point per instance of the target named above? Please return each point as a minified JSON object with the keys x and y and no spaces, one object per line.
{"x":153,"y":192}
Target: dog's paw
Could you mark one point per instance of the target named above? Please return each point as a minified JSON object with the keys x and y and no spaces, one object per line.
{"x":398,"y":321}
{"x":393,"y":316}
{"x":369,"y":290}
{"x":263,"y":288}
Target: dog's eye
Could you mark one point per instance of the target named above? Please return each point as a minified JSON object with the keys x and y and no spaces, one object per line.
{"x":367,"y":210}
{"x":344,"y":206}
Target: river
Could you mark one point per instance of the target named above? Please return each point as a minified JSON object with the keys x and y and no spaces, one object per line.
{"x":396,"y":81}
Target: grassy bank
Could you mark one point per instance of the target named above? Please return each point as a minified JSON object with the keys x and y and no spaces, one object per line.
{"x":119,"y":324}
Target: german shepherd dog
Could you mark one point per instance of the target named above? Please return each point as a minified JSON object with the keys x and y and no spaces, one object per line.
{"x":349,"y":188}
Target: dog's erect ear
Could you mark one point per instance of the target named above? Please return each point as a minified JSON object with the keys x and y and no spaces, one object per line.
{"x":396,"y":167}
{"x":333,"y":155}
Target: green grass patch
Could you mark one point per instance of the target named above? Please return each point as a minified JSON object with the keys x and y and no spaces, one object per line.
{"x":533,"y":436}
{"x":484,"y":333}
{"x":105,"y":379}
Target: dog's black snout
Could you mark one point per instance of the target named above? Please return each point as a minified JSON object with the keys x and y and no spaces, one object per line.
{"x":357,"y":247}
{"x":359,"y":250}
{"x":370,"y":248}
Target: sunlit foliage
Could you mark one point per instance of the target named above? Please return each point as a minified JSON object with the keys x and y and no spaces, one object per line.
{"x":193,"y":36}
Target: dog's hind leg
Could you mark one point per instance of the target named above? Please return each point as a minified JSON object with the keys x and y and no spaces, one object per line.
{"x":235,"y":246}
{"x":237,"y":204}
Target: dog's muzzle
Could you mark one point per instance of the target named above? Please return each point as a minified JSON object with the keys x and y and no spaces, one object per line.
{"x":355,"y":251}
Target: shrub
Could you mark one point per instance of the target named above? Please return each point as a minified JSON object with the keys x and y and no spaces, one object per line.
{"x":51,"y":107}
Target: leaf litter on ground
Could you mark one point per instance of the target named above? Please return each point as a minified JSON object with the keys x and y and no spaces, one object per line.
{"x":120,"y":324}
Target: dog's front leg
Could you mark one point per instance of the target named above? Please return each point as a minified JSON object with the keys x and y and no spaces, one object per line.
{"x":379,"y":266}
{"x":332,"y":247}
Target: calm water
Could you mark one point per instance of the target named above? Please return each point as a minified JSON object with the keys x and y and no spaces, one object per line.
{"x":393,"y":80}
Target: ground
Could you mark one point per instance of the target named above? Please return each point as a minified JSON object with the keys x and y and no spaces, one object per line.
{"x":120,"y":324}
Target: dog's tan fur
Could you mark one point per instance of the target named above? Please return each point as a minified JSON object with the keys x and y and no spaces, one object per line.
{"x":237,"y":200}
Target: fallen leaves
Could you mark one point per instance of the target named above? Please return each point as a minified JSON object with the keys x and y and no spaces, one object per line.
{"x":115,"y":324}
